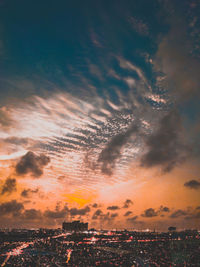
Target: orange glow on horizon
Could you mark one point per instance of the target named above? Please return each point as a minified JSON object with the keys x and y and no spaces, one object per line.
{"x":79,"y":197}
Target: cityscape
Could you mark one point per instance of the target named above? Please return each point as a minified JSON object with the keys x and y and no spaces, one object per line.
{"x":76,"y":245}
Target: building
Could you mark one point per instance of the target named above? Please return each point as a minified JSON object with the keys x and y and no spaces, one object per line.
{"x":75,"y":226}
{"x":172,"y":229}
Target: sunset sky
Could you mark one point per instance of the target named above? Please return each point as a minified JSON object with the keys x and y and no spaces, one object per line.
{"x":99,"y":113}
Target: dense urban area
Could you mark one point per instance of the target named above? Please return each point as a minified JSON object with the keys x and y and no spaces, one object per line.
{"x":59,"y":247}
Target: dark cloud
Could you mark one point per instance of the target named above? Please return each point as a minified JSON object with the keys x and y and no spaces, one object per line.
{"x":31,"y":163}
{"x":164,"y":209}
{"x":96,"y":214}
{"x":83,"y":211}
{"x":190,"y":213}
{"x":114,"y":215}
{"x":150,"y":213}
{"x":132,"y":219}
{"x":9,"y":186}
{"x":32,"y":214}
{"x":128,"y":213}
{"x":28,"y":192}
{"x":178,"y":213}
{"x":57,"y":213}
{"x":193,"y":216}
{"x":113,"y":208}
{"x":11,"y":207}
{"x":127,"y":203}
{"x":165,"y":147}
{"x":13,"y":213}
{"x":109,"y":155}
{"x":104,"y":217}
{"x":193,"y":184}
{"x":95,"y":205}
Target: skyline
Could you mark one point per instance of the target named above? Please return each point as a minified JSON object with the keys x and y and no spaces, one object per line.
{"x":99,"y":114}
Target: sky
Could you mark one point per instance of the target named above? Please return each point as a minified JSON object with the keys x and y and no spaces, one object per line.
{"x":99,"y":113}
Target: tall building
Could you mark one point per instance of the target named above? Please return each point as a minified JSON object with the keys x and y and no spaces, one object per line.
{"x":75,"y":226}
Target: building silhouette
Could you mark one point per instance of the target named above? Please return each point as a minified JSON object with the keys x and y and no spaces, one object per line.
{"x":75,"y":226}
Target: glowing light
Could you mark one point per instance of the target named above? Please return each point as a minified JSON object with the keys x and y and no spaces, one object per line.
{"x":79,"y":197}
{"x":69,"y":252}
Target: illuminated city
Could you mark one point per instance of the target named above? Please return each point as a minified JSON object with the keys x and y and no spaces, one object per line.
{"x":100,"y":133}
{"x":45,"y":247}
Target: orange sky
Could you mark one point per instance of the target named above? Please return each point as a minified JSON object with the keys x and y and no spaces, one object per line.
{"x":146,"y":188}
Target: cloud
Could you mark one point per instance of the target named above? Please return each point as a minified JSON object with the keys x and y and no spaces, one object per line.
{"x":129,"y":66}
{"x":17,"y":90}
{"x":11,"y":207}
{"x":192,"y":184}
{"x":190,"y":213}
{"x":150,"y":213}
{"x":31,"y":163}
{"x":114,"y":215}
{"x":139,"y":26}
{"x":96,"y":214}
{"x":57,"y":213}
{"x":165,"y":146}
{"x":9,"y":186}
{"x":175,"y":60}
{"x":107,"y":217}
{"x":5,"y":119}
{"x":32,"y":214}
{"x":28,"y":192}
{"x":132,"y":219}
{"x":13,"y":213}
{"x":104,"y":217}
{"x":178,"y":213}
{"x":95,"y":70}
{"x":164,"y":209}
{"x":17,"y":140}
{"x":193,"y":216}
{"x":127,"y":203}
{"x":153,"y":213}
{"x":75,"y":211}
{"x":128,"y":213}
{"x":112,"y":151}
{"x":113,"y":208}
